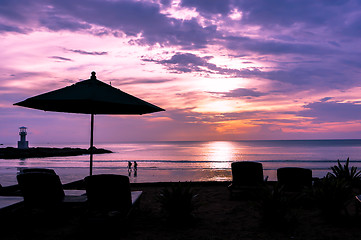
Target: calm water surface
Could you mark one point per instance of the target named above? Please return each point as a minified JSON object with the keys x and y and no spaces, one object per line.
{"x":191,"y":161}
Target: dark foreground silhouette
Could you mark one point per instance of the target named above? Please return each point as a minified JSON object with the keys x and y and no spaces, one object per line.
{"x":217,"y":217}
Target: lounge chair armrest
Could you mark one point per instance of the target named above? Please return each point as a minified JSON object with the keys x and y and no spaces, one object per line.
{"x":136,"y":196}
{"x":75,"y":199}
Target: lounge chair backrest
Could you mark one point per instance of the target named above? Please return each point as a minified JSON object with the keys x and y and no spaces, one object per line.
{"x":247,"y":173}
{"x":108,"y":191}
{"x":294,"y":178}
{"x":40,"y":189}
{"x":41,"y":170}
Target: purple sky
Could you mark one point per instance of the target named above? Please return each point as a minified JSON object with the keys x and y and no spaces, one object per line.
{"x":222,"y":69}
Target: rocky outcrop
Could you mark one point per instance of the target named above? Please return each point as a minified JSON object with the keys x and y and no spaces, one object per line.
{"x":38,"y":152}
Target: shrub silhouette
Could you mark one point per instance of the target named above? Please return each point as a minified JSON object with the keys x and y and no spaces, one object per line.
{"x":349,"y":174}
{"x":275,"y":207}
{"x":178,"y":202}
{"x":332,"y":195}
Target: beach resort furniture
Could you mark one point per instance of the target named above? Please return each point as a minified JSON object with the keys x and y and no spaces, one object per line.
{"x":294,"y":179}
{"x":110,"y":195}
{"x":41,"y":170}
{"x":9,"y":202}
{"x":44,"y":190}
{"x":247,"y":177}
{"x":12,"y":190}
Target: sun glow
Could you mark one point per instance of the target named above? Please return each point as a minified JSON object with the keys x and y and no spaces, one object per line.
{"x":219,"y":84}
{"x":220,"y":106}
{"x":235,"y":126}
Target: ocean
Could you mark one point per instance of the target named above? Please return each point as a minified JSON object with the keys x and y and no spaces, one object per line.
{"x":191,"y":160}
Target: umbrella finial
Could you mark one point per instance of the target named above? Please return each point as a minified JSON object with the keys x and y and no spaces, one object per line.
{"x":93,"y":77}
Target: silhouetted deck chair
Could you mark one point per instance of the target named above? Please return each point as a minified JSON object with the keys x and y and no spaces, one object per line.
{"x":41,"y":170}
{"x":9,"y":202}
{"x":43,"y":190}
{"x":110,"y":195}
{"x":294,"y":179}
{"x":247,"y":177}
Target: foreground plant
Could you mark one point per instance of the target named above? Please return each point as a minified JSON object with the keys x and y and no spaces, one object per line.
{"x":275,"y":206}
{"x":349,"y":174}
{"x":178,"y":202}
{"x":332,"y":195}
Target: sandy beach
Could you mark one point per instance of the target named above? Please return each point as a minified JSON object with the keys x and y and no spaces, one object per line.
{"x":217,"y":217}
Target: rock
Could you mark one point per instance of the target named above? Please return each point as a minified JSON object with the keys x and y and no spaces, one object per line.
{"x":38,"y":152}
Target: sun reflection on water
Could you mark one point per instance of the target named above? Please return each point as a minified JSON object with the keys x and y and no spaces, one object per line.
{"x":219,"y":154}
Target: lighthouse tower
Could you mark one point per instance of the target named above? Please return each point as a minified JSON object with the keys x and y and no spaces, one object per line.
{"x":23,"y":144}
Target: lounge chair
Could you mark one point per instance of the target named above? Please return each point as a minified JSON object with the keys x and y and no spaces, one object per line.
{"x":294,"y":179}
{"x":41,"y":170}
{"x":110,"y":195}
{"x":9,"y":202}
{"x":247,"y":177}
{"x":44,"y":190}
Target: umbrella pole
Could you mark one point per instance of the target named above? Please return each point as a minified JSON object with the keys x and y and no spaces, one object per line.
{"x":91,"y":143}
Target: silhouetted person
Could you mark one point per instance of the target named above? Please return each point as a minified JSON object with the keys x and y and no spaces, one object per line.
{"x":135,"y":168}
{"x":129,"y":166}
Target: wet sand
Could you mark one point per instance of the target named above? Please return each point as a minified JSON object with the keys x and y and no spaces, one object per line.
{"x":218,"y":217}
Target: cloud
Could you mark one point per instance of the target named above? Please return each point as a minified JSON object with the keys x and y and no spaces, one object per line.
{"x":265,"y":46}
{"x":296,"y":50}
{"x":241,"y":92}
{"x":132,"y":81}
{"x":58,"y":23}
{"x":325,"y":99}
{"x":288,"y":13}
{"x":299,"y":75}
{"x":8,"y":28}
{"x":189,"y":62}
{"x":134,"y":18}
{"x":61,"y":58}
{"x":86,"y":52}
{"x":332,"y":111}
{"x":185,"y":62}
{"x":209,"y":6}
{"x":137,"y":18}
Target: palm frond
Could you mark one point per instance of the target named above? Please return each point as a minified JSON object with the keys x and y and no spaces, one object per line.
{"x":349,"y":174}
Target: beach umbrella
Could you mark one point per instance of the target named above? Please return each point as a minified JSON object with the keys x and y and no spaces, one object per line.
{"x":90,"y":97}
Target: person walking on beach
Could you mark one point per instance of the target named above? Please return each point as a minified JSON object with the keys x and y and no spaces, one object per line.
{"x":129,"y":166}
{"x":135,"y":166}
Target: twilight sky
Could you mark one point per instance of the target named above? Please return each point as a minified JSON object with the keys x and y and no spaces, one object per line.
{"x":222,"y":69}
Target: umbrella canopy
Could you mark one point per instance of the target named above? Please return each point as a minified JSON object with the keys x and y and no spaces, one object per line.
{"x":90,"y":97}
